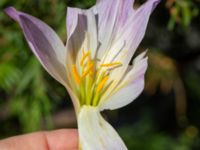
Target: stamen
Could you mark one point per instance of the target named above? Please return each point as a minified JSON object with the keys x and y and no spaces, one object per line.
{"x":101,"y":84}
{"x":89,"y":69}
{"x":90,"y":62}
{"x":111,"y":64}
{"x":85,"y":55}
{"x":75,"y":74}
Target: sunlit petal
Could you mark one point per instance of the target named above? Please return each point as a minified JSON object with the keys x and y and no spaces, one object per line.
{"x":95,"y":133}
{"x":129,"y":88}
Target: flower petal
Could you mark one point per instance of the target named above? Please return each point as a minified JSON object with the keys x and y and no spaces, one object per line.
{"x":79,"y":23}
{"x":95,"y":133}
{"x":134,"y":29}
{"x":126,"y":10}
{"x":130,"y":28}
{"x":72,"y":20}
{"x":44,"y":43}
{"x":129,"y":88}
{"x":127,"y":39}
{"x":107,"y":12}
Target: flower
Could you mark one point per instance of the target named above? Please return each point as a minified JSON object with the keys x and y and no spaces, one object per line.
{"x":94,"y":63}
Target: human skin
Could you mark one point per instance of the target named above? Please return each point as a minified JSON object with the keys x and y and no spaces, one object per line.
{"x":64,"y":139}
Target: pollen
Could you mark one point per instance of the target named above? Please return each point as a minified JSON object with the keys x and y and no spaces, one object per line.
{"x":85,"y":55}
{"x":115,"y":64}
{"x":76,"y":75}
{"x":101,"y":84}
{"x":88,"y":70}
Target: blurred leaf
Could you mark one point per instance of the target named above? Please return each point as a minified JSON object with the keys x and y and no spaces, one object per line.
{"x":30,"y":72}
{"x":9,"y":74}
{"x":182,"y":12}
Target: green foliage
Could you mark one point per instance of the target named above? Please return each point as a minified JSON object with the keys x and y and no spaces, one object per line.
{"x":30,"y":100}
{"x":145,"y":136}
{"x":82,"y":3}
{"x":182,"y":12}
{"x":9,"y":75}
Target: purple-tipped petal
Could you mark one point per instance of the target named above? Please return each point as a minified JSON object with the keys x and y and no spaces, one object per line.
{"x":112,"y":15}
{"x":44,"y":43}
{"x":125,"y":11}
{"x":129,"y":27}
{"x":134,"y":29}
{"x":12,"y":12}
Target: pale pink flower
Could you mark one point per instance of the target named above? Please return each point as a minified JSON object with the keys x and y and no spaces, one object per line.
{"x":94,"y":63}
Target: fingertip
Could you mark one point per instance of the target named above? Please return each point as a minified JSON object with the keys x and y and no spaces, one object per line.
{"x":62,"y":139}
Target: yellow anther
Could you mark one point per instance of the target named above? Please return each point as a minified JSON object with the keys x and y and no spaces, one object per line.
{"x":111,"y":64}
{"x":85,"y":55}
{"x":89,"y":69}
{"x":101,"y":84}
{"x":75,"y":74}
{"x":89,"y":63}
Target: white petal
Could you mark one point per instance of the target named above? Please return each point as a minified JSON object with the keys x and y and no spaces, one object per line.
{"x":95,"y":133}
{"x":71,"y":20}
{"x":79,"y":23}
{"x":92,"y":32}
{"x":107,"y":12}
{"x":129,"y":88}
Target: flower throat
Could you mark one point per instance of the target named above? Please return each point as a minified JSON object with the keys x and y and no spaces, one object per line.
{"x":91,"y":81}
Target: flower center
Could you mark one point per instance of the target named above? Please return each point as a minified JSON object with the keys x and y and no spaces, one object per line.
{"x":91,"y":80}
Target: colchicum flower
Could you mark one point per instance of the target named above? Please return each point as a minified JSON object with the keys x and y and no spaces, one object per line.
{"x":94,"y":63}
